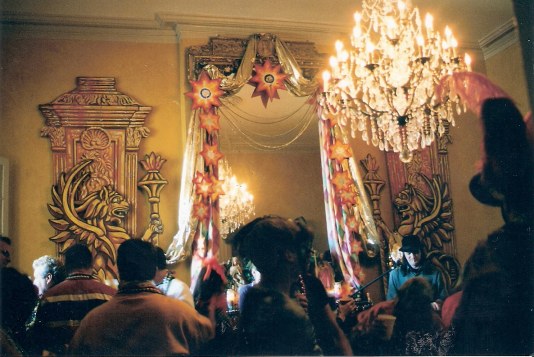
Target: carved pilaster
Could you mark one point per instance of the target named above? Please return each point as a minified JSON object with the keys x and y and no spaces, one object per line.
{"x":96,"y":121}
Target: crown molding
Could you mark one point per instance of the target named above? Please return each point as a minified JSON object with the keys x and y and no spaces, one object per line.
{"x":25,"y":25}
{"x":199,"y":25}
{"x":165,"y":27}
{"x":499,"y":39}
{"x":168,"y":28}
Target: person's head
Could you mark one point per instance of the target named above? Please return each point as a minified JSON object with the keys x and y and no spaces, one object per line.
{"x":18,"y":298}
{"x":5,"y":251}
{"x":78,"y":258}
{"x":506,"y":176}
{"x":161,"y":265}
{"x":412,"y":251}
{"x":271,"y":244}
{"x":304,"y":240}
{"x":136,"y":260}
{"x":413,"y":308}
{"x":47,"y":272}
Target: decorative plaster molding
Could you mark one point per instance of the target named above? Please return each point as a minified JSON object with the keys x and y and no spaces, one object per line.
{"x":24,"y":25}
{"x":190,"y":25}
{"x":499,"y":39}
{"x":165,"y":27}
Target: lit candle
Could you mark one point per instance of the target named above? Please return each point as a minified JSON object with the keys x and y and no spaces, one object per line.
{"x":467,"y":60}
{"x":402,"y":8}
{"x":369,"y":48}
{"x":421,"y":43}
{"x":339,"y":48}
{"x":454,"y":45}
{"x":429,"y":20}
{"x":326,"y":79}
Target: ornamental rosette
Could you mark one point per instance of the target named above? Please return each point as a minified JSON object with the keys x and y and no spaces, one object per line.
{"x":268,"y":80}
{"x":205,"y":92}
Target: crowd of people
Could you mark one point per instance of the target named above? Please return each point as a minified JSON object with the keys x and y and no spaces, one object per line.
{"x":66,"y":310}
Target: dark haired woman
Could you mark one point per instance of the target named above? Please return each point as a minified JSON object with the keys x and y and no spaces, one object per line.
{"x":271,"y":322}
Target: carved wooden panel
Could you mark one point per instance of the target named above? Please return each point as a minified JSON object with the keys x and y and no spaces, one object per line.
{"x":226,"y":54}
{"x":96,"y":121}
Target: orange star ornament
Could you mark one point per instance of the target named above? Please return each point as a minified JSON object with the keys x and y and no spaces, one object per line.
{"x":200,"y":211}
{"x":211,"y":154}
{"x":268,"y":80}
{"x":216,"y":188}
{"x":209,"y":121}
{"x":203,"y":188}
{"x":352,"y":224}
{"x":205,"y":92}
{"x":340,"y":152}
{"x":347,"y":196}
{"x":342,"y":180}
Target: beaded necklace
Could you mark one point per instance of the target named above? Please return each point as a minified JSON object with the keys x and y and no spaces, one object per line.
{"x":138,"y":287}
{"x":79,"y":276}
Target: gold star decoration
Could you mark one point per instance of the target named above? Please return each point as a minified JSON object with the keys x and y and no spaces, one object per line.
{"x":209,"y":121}
{"x":201,"y":211}
{"x":211,"y":154}
{"x":356,"y":247}
{"x":216,"y":188}
{"x":342,"y":180}
{"x":267,"y":80}
{"x":347,"y":196}
{"x":339,"y":152}
{"x":352,"y":224}
{"x":203,"y":188}
{"x":205,"y":92}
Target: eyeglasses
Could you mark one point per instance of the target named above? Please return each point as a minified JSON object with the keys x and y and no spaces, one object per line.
{"x":6,"y":253}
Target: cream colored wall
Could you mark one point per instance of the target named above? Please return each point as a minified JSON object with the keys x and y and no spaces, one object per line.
{"x":506,"y":69}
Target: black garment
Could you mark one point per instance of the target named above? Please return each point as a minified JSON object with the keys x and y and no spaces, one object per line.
{"x":317,"y":301}
{"x":273,"y":324}
{"x":496,"y":313}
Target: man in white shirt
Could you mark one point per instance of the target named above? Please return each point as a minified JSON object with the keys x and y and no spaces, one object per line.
{"x":168,"y":284}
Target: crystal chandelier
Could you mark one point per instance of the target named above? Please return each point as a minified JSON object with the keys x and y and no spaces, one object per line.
{"x":236,"y":205}
{"x":383,"y":84}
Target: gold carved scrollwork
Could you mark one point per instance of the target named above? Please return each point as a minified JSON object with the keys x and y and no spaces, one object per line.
{"x":134,"y":136}
{"x":56,"y":135}
{"x":93,"y":218}
{"x":226,"y":54}
{"x":425,"y":210}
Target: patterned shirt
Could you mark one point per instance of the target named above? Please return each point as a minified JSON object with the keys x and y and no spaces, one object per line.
{"x":63,"y":307}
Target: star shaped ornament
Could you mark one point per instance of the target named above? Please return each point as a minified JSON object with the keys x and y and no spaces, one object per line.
{"x":211,"y":154}
{"x":200,"y":211}
{"x":268,"y":80}
{"x":209,"y":121}
{"x":216,"y":188}
{"x":352,"y":224}
{"x":205,"y":92}
{"x":339,"y":152}
{"x":203,"y":188}
{"x":347,"y":196}
{"x":342,"y":180}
